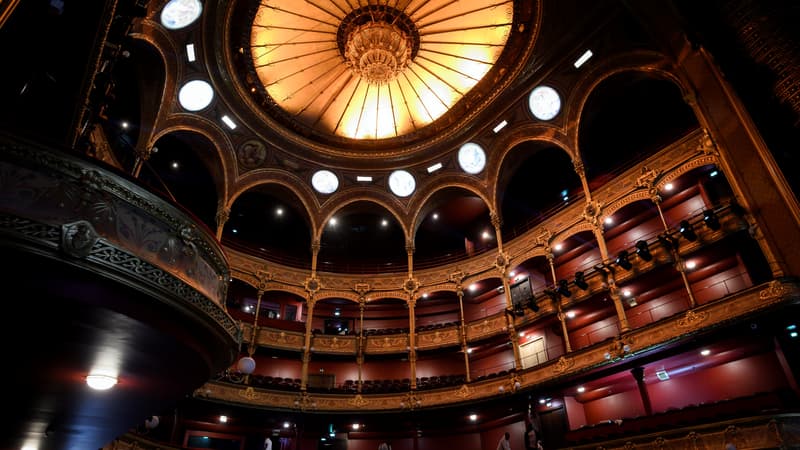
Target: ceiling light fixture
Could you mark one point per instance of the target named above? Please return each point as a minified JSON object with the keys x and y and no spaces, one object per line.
{"x":500,"y":126}
{"x":364,"y":178}
{"x":195,"y":95}
{"x":583,"y":58}
{"x":705,"y":352}
{"x":581,"y":389}
{"x":669,"y":187}
{"x":229,"y":122}
{"x":101,"y":381}
{"x":434,"y":167}
{"x":223,"y":419}
{"x":473,"y":417}
{"x":190,"y":54}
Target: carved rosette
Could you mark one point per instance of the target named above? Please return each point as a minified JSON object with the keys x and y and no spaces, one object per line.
{"x":78,"y":238}
{"x":501,"y":262}
{"x":312,"y":285}
{"x":358,"y":401}
{"x":251,"y":154}
{"x":411,"y":286}
{"x":592,"y":212}
{"x":362,"y":289}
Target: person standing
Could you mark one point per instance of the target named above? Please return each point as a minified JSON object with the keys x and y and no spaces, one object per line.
{"x":268,"y":443}
{"x":505,"y":442}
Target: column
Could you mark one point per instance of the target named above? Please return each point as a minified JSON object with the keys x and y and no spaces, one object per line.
{"x":638,"y":375}
{"x":613,"y":291}
{"x":464,"y":348}
{"x":412,"y":344}
{"x":307,"y":345}
{"x":676,"y":255}
{"x":557,"y":300}
{"x":361,"y":343}
{"x":251,"y":349}
{"x":502,"y":263}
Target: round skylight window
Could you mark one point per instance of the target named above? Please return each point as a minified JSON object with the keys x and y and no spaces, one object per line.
{"x":325,"y":182}
{"x":180,"y":13}
{"x":195,"y":95}
{"x":471,"y":158}
{"x":544,"y":102}
{"x":402,"y":183}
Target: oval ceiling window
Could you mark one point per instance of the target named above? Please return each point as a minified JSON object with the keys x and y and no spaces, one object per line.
{"x":402,"y":183}
{"x":325,"y":181}
{"x":178,"y":14}
{"x":471,"y":158}
{"x":195,"y":95}
{"x":544,"y":102}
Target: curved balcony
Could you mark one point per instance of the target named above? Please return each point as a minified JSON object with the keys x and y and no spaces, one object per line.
{"x":112,"y":279}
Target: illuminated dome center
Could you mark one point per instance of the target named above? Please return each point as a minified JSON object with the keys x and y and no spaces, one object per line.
{"x":378,"y":51}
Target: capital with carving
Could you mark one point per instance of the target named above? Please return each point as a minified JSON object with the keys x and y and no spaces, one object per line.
{"x":410,"y":247}
{"x":577,"y":164}
{"x":312,"y":285}
{"x":315,"y":246}
{"x":223,"y":214}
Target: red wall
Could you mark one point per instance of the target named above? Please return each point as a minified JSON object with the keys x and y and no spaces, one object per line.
{"x":740,"y":378}
{"x":576,"y":414}
{"x":615,"y":406}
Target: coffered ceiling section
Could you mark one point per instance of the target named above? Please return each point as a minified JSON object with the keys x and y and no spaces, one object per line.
{"x":375,"y":70}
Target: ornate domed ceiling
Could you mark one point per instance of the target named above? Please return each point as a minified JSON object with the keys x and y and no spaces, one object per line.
{"x":366,"y":78}
{"x":379,"y":70}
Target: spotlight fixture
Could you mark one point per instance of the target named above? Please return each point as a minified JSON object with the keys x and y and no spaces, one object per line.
{"x":711,"y":219}
{"x":554,"y":295}
{"x":622,"y":260}
{"x":643,"y":251}
{"x":580,"y":281}
{"x":687,"y":231}
{"x":668,"y":242}
{"x":563,"y":288}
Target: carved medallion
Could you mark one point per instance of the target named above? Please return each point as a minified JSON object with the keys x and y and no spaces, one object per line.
{"x":78,"y":238}
{"x":252,"y":154}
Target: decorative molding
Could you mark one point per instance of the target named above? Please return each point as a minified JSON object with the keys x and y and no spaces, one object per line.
{"x":692,"y":319}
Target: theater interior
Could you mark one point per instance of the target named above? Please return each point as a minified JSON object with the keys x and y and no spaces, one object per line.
{"x":336,"y":223}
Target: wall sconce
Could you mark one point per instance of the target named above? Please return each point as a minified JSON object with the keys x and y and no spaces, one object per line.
{"x":622,"y":260}
{"x":643,"y":251}
{"x":580,"y":281}
{"x":687,"y":231}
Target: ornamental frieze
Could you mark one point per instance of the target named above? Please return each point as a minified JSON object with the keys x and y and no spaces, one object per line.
{"x":387,"y":344}
{"x":437,"y":338}
{"x":335,"y":344}
{"x":487,"y":327}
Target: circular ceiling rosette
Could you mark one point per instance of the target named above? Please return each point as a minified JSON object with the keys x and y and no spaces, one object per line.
{"x":375,"y":70}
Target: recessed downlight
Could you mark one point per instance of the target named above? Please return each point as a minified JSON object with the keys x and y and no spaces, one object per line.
{"x":195,"y":95}
{"x":101,"y":381}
